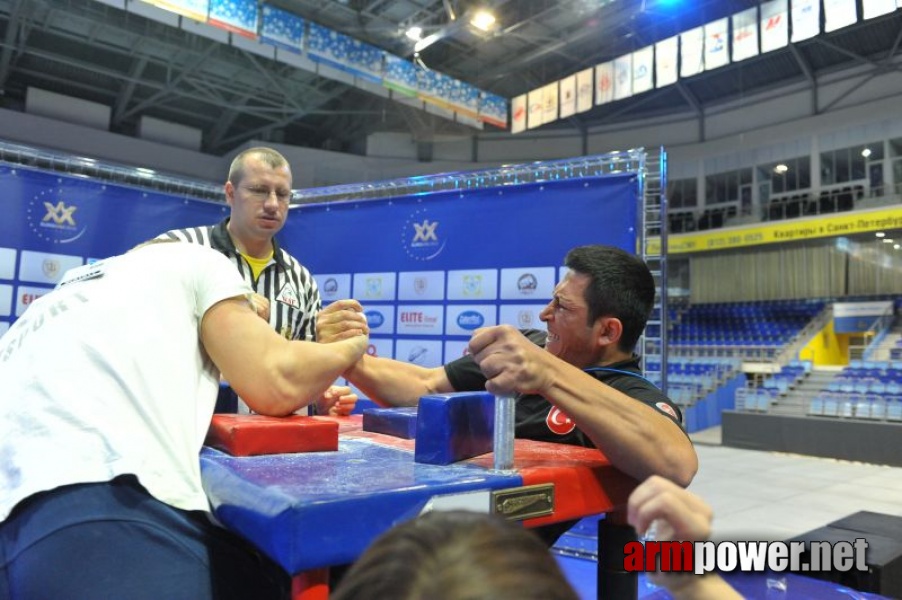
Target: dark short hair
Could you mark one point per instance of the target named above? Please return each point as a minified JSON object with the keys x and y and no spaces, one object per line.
{"x":620,"y":286}
{"x":270,"y":158}
{"x":456,"y":555}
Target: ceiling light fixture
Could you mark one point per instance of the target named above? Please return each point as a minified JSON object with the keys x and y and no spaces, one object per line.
{"x":780,"y":169}
{"x":880,"y":234}
{"x":866,"y":152}
{"x":414,"y":33}
{"x":483,"y":20}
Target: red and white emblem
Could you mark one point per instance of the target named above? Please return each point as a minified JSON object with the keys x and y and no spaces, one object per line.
{"x":667,"y":409}
{"x":558,"y":421}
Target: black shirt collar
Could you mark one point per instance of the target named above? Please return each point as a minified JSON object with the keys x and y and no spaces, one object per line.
{"x":222,"y":241}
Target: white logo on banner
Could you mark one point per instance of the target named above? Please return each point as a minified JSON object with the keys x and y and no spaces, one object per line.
{"x":518,"y":114}
{"x":467,"y":285}
{"x":426,"y":353}
{"x":421,"y":285}
{"x":535,"y":283}
{"x":716,"y":54}
{"x":7,"y":263}
{"x":463,"y":319}
{"x":692,"y":47}
{"x":421,"y":236}
{"x":41,"y":267}
{"x":623,"y":77}
{"x":806,"y":19}
{"x":374,"y":286}
{"x":666,"y":61}
{"x":604,"y":83}
{"x":334,"y":286}
{"x":534,"y":109}
{"x":6,"y":300}
{"x":421,"y":319}
{"x":549,"y":102}
{"x":568,"y":96}
{"x":643,"y":64}
{"x":774,"y":25}
{"x":584,"y":82}
{"x":745,"y":34}
{"x":52,"y":217}
{"x":876,"y":8}
{"x":522,"y":316}
{"x":839,"y":14}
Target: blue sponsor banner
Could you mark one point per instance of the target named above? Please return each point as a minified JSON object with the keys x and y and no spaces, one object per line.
{"x":344,"y":53}
{"x":456,"y":250}
{"x":282,"y":29}
{"x":513,"y":226}
{"x":400,"y":75}
{"x":493,"y":109}
{"x":239,"y":16}
{"x":52,"y":222}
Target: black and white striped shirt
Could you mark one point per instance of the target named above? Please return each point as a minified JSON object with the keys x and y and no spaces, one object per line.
{"x":293,"y":296}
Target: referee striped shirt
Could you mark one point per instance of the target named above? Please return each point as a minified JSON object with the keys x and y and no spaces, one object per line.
{"x":293,"y":296}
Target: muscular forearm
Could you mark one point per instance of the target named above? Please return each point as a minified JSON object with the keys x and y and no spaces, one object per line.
{"x":635,"y":438}
{"x":303,"y":372}
{"x":395,"y":383}
{"x":272,"y":375}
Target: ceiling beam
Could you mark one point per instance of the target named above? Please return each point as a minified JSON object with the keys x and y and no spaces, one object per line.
{"x":810,"y":75}
{"x":15,"y":24}
{"x":128,"y":90}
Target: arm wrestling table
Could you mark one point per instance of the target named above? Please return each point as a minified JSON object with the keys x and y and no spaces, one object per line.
{"x":308,"y":511}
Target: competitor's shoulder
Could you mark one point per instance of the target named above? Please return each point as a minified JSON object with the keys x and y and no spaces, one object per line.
{"x":193,"y":235}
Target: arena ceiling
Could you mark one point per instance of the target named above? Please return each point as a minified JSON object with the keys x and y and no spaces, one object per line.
{"x":137,"y":66}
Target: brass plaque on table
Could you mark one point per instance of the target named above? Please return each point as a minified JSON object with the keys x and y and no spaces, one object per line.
{"x":526,"y":502}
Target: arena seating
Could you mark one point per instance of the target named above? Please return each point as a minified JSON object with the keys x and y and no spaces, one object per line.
{"x":743,"y":328}
{"x":870,"y":390}
{"x":702,"y":388}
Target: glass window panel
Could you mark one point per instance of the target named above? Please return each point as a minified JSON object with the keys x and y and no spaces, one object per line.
{"x":857,"y":170}
{"x":804,"y":176}
{"x":876,"y":149}
{"x":828,"y":169}
{"x":841,"y":162}
{"x":690,"y":192}
{"x":791,"y":175}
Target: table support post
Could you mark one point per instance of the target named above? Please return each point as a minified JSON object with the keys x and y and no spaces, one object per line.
{"x":614,"y":583}
{"x":503,"y":443}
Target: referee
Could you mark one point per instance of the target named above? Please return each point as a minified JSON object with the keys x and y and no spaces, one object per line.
{"x":258,"y":190}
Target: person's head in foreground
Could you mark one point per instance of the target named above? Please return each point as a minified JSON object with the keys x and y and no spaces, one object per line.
{"x":456,"y":555}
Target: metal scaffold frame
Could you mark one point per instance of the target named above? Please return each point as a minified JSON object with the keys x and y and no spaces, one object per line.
{"x":48,"y":160}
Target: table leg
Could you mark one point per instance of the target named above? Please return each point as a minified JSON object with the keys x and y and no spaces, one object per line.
{"x":614,"y":583}
{"x":310,"y":585}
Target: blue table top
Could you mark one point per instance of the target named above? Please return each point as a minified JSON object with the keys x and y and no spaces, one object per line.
{"x":318,"y":509}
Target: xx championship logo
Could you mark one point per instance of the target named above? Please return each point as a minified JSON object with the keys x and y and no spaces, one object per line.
{"x":53,"y":219}
{"x":421,"y":236}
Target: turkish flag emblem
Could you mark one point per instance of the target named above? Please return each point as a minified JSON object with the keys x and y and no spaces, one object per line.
{"x":666,"y":408}
{"x":558,"y":421}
